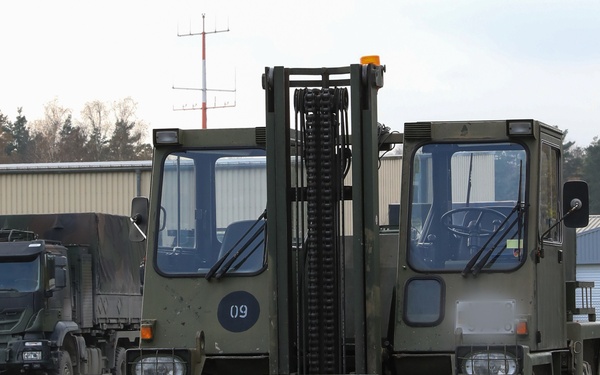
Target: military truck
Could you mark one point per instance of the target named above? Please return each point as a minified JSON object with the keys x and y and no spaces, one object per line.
{"x":70,"y":300}
{"x":265,"y":253}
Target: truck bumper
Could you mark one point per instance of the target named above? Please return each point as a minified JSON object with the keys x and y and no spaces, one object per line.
{"x":29,"y":355}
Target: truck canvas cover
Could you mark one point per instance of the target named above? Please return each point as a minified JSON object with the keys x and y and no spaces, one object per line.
{"x":117,"y":260}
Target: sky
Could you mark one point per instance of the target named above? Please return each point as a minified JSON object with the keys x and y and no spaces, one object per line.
{"x":444,"y":59}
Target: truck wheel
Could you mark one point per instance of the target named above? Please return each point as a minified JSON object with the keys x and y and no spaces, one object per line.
{"x":120,"y":361}
{"x":65,"y":367}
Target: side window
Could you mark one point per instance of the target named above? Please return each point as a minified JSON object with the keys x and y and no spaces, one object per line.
{"x":422,"y":192}
{"x":549,"y":193}
{"x":419,"y":311}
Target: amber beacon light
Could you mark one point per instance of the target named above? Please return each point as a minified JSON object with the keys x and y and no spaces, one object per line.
{"x":370,"y":59}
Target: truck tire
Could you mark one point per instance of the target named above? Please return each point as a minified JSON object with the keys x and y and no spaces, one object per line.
{"x":65,"y":367}
{"x":120,"y":361}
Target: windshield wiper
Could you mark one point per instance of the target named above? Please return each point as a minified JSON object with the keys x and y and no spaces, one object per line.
{"x":487,"y":255}
{"x":228,"y":265}
{"x":246,"y":244}
{"x":519,"y":208}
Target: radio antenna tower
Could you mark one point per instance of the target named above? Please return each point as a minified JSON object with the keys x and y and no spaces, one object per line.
{"x":204,"y":89}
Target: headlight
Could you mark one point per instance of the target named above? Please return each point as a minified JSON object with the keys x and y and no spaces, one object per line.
{"x":32,"y":356}
{"x":489,"y":363}
{"x":159,"y":365}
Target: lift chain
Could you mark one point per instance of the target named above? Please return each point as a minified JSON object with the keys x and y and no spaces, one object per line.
{"x":324,"y":176}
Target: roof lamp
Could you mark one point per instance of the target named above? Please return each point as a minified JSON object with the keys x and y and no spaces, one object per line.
{"x":370,"y":59}
{"x":166,"y":137}
{"x":517,"y":128}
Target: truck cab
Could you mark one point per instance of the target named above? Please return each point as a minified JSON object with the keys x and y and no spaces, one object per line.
{"x":31,"y":271}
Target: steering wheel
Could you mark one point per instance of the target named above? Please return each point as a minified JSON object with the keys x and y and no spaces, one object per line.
{"x":471,"y":229}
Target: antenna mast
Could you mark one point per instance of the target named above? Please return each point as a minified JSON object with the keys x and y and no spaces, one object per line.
{"x":204,"y":89}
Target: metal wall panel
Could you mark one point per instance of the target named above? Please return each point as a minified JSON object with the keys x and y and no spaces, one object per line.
{"x":241,"y":191}
{"x":588,"y":272}
{"x":72,"y":187}
{"x":588,"y":242}
{"x":109,"y":187}
{"x":390,"y":178}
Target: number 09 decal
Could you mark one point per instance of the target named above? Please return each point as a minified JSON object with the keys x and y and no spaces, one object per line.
{"x":238,"y":311}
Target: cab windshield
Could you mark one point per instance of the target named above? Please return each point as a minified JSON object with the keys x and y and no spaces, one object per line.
{"x":467,"y":207}
{"x":20,"y":275}
{"x":211,"y":213}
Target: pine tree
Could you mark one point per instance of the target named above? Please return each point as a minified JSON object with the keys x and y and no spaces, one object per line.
{"x":573,"y":159}
{"x":121,"y":143}
{"x":71,"y":145}
{"x":591,"y":166}
{"x":6,"y":139}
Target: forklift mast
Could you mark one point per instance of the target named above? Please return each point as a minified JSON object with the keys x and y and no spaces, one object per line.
{"x":308,"y":182}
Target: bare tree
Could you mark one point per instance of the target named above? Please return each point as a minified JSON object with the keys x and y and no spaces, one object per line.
{"x":95,"y":120}
{"x":46,"y":132}
{"x":127,"y":139}
{"x":124,"y":109}
{"x":103,"y":133}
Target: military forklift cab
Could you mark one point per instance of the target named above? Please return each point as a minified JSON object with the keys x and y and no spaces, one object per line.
{"x":484,"y":237}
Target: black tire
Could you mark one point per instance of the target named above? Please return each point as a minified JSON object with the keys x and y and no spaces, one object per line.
{"x":65,"y":366}
{"x":120,"y":361}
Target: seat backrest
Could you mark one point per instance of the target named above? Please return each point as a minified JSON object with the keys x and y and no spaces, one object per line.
{"x":239,"y":235}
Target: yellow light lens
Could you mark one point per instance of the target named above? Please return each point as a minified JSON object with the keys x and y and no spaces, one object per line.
{"x":522,"y":328}
{"x":370,"y":59}
{"x":146,"y":332}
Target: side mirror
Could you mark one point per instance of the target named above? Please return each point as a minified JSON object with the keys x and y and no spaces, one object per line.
{"x":50,"y":277}
{"x":139,"y":219}
{"x":60,"y":271}
{"x":576,"y":207}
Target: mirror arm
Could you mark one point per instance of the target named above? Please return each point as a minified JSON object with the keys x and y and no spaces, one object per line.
{"x":575,"y":205}
{"x":134,"y":220}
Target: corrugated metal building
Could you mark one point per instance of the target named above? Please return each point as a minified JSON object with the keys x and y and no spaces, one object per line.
{"x":105,"y":187}
{"x":108,"y":187}
{"x":588,"y":256}
{"x":390,"y":178}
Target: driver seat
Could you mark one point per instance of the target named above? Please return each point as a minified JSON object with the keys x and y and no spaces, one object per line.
{"x":248,"y":238}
